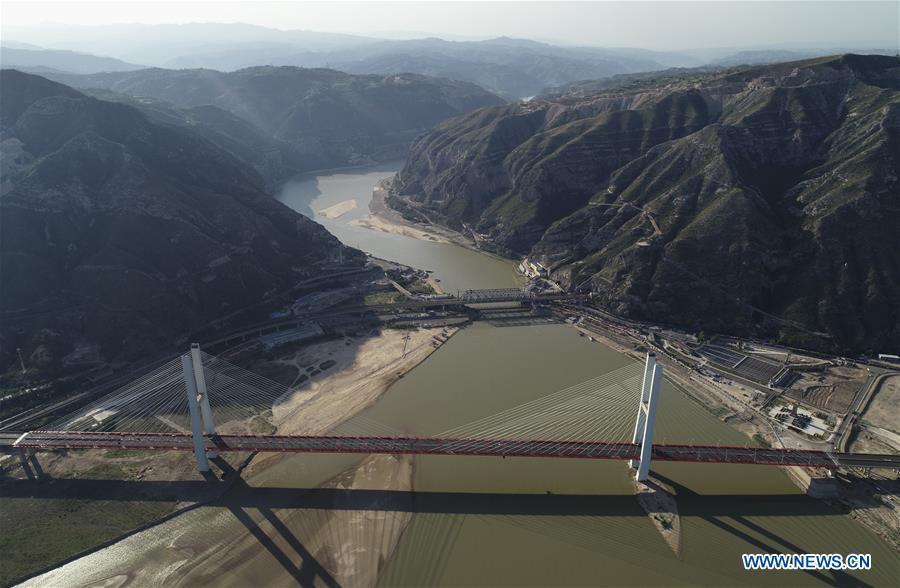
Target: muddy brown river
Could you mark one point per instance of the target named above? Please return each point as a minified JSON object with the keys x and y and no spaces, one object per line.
{"x":482,"y":521}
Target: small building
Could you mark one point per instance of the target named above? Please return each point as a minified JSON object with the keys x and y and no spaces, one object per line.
{"x":533,"y":269}
{"x":309,"y":330}
{"x":318,"y":301}
{"x":433,"y":297}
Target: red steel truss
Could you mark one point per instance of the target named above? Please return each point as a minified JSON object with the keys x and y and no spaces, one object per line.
{"x":552,"y":448}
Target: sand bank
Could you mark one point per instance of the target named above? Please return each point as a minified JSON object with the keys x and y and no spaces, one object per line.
{"x":658,"y":500}
{"x":356,"y":545}
{"x":338,"y":210}
{"x":363,"y":371}
{"x":385,"y":224}
{"x":383,"y":218}
{"x":344,"y":547}
{"x":351,"y":546}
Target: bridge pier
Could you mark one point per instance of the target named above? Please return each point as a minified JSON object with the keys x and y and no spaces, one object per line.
{"x":30,"y":464}
{"x":646,"y":416}
{"x":198,"y":405}
{"x":209,"y":426}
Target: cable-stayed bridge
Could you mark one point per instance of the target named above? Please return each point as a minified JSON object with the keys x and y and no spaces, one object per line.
{"x":203,"y":404}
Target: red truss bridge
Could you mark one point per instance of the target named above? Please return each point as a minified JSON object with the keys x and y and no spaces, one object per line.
{"x":447,"y":446}
{"x":177,"y":407}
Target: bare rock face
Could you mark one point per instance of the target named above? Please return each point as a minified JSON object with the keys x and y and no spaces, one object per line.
{"x":757,"y":201}
{"x":123,"y":233}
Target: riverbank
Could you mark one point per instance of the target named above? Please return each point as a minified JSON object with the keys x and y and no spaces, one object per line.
{"x":352,"y":545}
{"x":47,"y":522}
{"x":387,"y":220}
{"x":717,"y":401}
{"x":383,"y":218}
{"x":866,"y":508}
{"x":346,"y":547}
{"x":364,"y":368}
{"x":87,"y":500}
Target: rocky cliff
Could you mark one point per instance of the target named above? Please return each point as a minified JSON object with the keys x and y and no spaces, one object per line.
{"x":756,"y":201}
{"x":122,"y":232}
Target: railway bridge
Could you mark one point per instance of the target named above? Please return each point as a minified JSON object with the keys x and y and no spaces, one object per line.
{"x":178,"y":406}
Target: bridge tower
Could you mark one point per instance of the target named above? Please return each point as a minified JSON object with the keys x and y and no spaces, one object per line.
{"x":646,"y":415}
{"x":198,"y":403}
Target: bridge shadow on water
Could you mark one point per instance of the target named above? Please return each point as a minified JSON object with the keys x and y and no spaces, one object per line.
{"x":274,"y":531}
{"x":688,"y":500}
{"x":307,"y":569}
{"x":479,"y":503}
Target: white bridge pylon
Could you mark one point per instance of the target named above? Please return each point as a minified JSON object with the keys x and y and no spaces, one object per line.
{"x":646,"y":415}
{"x":198,"y":405}
{"x":203,"y":425}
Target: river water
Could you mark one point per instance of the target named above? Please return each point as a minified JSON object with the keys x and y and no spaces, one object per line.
{"x":525,"y":521}
{"x":456,"y":267}
{"x":726,"y":510}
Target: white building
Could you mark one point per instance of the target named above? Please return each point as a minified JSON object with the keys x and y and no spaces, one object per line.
{"x":533,"y":269}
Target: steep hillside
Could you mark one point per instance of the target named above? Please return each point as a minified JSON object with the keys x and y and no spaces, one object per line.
{"x":512,"y":172}
{"x":273,"y":159}
{"x":763,"y":200}
{"x":125,"y":233}
{"x":317,"y":118}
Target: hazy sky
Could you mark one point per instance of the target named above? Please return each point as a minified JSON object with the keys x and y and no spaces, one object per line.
{"x":654,"y":25}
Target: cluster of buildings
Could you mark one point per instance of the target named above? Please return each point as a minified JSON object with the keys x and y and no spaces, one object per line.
{"x":533,"y":269}
{"x":797,"y":419}
{"x":308,"y":330}
{"x":317,"y":301}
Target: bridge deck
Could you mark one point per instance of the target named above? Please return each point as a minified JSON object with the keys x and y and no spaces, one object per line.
{"x":445,"y":446}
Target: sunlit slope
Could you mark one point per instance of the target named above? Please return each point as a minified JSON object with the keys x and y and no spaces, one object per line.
{"x":706,"y":201}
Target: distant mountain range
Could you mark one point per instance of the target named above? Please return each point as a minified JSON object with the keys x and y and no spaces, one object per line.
{"x":160,"y":44}
{"x":760,"y":200}
{"x":511,"y":68}
{"x":38,"y":59}
{"x":286,"y":119}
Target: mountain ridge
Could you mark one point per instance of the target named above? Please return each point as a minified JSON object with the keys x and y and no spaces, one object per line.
{"x":123,"y":234}
{"x":625,"y":188}
{"x":314,"y":118}
{"x":61,"y":60}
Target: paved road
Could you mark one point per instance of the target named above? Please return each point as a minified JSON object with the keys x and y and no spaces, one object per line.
{"x":445,"y":446}
{"x":857,"y":407}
